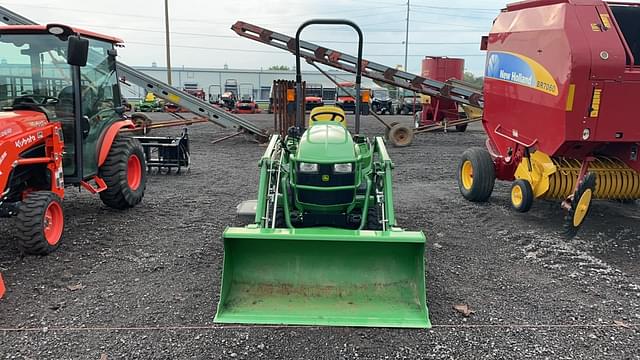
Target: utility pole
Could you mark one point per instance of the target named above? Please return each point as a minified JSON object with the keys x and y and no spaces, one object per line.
{"x":168,"y":45}
{"x":406,"y":40}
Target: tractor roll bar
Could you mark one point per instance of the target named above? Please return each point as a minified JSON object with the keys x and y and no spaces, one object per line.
{"x":299,"y":103}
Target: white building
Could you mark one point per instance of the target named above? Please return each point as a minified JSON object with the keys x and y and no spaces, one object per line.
{"x":211,"y":80}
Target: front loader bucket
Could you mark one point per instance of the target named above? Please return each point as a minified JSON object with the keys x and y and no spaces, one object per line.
{"x":323,"y":276}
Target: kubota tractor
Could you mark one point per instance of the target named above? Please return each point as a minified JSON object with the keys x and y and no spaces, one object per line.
{"x":345,"y":100}
{"x":246,"y":104}
{"x":60,"y":125}
{"x":313,"y":96}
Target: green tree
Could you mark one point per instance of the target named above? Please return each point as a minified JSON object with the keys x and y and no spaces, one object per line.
{"x":472,"y":79}
{"x":279,"y":67}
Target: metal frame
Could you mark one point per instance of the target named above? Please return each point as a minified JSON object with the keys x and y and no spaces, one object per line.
{"x":317,"y":54}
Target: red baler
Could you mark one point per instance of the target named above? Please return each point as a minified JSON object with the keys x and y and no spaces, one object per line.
{"x":560,"y":82}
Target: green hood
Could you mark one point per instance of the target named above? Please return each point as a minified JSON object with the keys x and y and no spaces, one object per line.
{"x":326,"y":143}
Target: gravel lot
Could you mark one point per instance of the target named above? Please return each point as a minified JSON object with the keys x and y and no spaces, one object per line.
{"x":143,"y":284}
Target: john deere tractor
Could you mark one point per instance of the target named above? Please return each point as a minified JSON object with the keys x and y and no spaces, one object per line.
{"x":324,"y":247}
{"x":60,"y":125}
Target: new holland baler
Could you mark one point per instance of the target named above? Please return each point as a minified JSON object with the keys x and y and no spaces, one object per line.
{"x":560,"y":86}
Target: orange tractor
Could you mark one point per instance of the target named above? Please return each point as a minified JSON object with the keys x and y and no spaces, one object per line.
{"x":60,"y":119}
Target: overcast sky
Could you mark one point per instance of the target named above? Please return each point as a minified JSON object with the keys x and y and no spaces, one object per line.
{"x":201,"y":35}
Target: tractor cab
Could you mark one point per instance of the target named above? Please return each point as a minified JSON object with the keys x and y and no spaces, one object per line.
{"x":69,"y":79}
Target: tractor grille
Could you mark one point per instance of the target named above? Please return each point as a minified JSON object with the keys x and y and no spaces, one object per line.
{"x":326,"y":197}
{"x":320,"y":178}
{"x":325,"y":177}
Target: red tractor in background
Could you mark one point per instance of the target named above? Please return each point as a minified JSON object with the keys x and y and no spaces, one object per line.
{"x":230,"y":95}
{"x":346,"y":101}
{"x":194,"y":90}
{"x":246,"y":105}
{"x":313,"y":96}
{"x":60,"y":119}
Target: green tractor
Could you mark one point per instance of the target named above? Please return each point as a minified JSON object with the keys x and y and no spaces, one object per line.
{"x":150,"y":103}
{"x":325,"y":248}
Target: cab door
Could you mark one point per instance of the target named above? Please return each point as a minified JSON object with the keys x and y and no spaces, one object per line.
{"x":100,"y":97}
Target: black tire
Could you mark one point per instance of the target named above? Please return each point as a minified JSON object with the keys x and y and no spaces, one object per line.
{"x":32,"y":220}
{"x":521,"y":195}
{"x":570,"y":227}
{"x":483,"y":175}
{"x":373,"y":218}
{"x":120,"y":193}
{"x":400,"y":135}
{"x":461,"y":128}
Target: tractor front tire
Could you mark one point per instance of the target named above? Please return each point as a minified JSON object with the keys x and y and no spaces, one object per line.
{"x":40,"y":223}
{"x":476,"y":174}
{"x":125,"y":174}
{"x":373,"y":218}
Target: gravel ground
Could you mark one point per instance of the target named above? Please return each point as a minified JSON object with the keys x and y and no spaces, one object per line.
{"x":143,"y":284}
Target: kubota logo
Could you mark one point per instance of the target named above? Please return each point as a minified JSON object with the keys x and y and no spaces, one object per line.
{"x":25,"y":141}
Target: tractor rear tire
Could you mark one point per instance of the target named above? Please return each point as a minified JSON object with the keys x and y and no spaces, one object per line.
{"x":40,"y":223}
{"x":125,"y":174}
{"x":400,"y":135}
{"x":476,"y":174}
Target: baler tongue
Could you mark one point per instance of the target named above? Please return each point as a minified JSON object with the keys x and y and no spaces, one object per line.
{"x":323,"y":276}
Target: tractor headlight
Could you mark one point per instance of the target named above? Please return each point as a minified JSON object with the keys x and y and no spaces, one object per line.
{"x":308,"y":167}
{"x":343,"y":168}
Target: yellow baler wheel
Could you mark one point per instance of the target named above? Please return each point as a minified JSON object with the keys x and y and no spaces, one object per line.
{"x":521,"y":195}
{"x":582,"y":208}
{"x":466,"y":174}
{"x":580,"y":205}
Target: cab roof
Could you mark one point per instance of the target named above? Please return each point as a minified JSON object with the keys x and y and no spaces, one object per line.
{"x":21,"y":29}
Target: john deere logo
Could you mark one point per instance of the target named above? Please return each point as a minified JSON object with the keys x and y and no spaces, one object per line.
{"x":325,"y":178}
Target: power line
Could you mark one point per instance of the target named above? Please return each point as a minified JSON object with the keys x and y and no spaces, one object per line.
{"x":457,"y":8}
{"x":400,"y":42}
{"x":279,"y":52}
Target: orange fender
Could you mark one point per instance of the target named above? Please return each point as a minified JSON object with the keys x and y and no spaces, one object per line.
{"x":1,"y":287}
{"x":109,"y":137}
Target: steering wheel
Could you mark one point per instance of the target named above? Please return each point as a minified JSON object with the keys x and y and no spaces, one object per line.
{"x":334,"y":115}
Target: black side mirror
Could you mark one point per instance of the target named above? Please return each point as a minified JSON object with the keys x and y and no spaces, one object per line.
{"x":77,"y":50}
